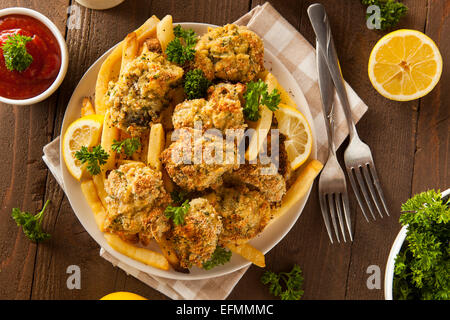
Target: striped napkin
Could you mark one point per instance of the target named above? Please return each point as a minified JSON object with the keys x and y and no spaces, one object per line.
{"x":298,"y":56}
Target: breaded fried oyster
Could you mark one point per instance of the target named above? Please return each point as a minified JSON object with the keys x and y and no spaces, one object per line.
{"x":198,"y":161}
{"x":223,"y":109}
{"x":139,"y":94}
{"x":136,"y":199}
{"x":231,"y":53}
{"x":245,"y":213}
{"x":265,"y":178}
{"x":195,"y":240}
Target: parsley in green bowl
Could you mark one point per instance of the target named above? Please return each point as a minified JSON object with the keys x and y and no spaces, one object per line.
{"x":418,"y":266}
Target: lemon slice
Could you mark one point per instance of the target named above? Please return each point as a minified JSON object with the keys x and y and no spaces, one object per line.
{"x":85,"y":131}
{"x":293,"y":124}
{"x":405,"y":65}
{"x":122,"y":295}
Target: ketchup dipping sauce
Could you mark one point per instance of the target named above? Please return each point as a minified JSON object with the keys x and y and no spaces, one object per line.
{"x":44,"y":49}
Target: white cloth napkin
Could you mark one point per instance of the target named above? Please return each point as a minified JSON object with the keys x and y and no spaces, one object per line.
{"x":298,"y":56}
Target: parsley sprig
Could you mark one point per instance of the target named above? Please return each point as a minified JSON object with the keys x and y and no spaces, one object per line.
{"x":196,"y":84}
{"x":94,"y":159}
{"x":181,"y":49}
{"x":291,"y":286}
{"x":219,"y":257}
{"x":128,"y":146}
{"x":15,"y":53}
{"x":391,"y":11}
{"x":177,"y":214}
{"x":31,"y":224}
{"x":256,"y":95}
{"x":422,"y":268}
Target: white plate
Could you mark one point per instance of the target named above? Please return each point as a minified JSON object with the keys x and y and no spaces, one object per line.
{"x":264,"y":242}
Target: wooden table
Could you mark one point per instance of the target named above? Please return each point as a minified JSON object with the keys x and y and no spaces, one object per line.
{"x":410,"y":143}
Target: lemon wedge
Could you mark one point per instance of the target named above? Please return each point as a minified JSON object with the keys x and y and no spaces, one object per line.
{"x":293,"y":124}
{"x":122,"y":295}
{"x":85,"y":131}
{"x":405,"y":65}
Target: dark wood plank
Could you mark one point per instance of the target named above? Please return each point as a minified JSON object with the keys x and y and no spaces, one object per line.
{"x":432,"y":157}
{"x":25,"y":129}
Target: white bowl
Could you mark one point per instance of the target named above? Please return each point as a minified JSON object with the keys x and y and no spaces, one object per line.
{"x":390,"y":266}
{"x":99,"y":4}
{"x":62,"y":47}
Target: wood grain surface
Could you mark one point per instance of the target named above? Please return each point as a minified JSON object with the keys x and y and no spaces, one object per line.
{"x":409,"y":141}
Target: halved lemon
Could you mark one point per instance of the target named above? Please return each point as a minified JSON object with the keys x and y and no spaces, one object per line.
{"x":123,"y":295}
{"x":293,"y":124}
{"x":405,"y":65}
{"x":85,"y":131}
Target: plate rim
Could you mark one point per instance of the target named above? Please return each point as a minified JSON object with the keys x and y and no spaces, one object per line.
{"x":170,"y":274}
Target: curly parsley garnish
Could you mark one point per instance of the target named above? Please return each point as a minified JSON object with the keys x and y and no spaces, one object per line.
{"x":177,"y":214}
{"x":291,"y":286}
{"x":181,"y":49}
{"x":94,"y":159}
{"x":31,"y":224}
{"x":219,"y":257}
{"x":256,"y":95}
{"x":196,"y":84}
{"x":391,"y":11}
{"x":128,"y":146}
{"x":422,"y":266}
{"x":15,"y":53}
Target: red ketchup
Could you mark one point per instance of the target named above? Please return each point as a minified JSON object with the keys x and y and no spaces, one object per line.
{"x":45,"y":51}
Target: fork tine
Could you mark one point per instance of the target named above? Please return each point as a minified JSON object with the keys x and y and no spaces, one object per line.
{"x":363,"y":189}
{"x":347,"y":214}
{"x":333,"y":216}
{"x":369,"y":183}
{"x":324,"y":209}
{"x":339,"y":213}
{"x":376,"y":181}
{"x":356,"y":192}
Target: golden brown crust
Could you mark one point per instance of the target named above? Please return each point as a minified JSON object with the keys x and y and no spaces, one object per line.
{"x":231,"y":53}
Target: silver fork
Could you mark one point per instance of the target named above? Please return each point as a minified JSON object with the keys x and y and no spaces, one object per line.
{"x":333,"y":195}
{"x":357,"y":157}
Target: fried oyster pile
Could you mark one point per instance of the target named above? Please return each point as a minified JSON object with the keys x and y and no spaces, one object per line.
{"x":228,"y":201}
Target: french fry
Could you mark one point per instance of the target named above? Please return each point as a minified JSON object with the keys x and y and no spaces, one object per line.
{"x":164,"y":32}
{"x":284,"y":95}
{"x":155,"y":146}
{"x":87,"y":107}
{"x":248,"y":252}
{"x":109,"y":71}
{"x":143,"y":255}
{"x":129,"y":50}
{"x":123,"y":161}
{"x":99,"y":182}
{"x":262,"y":126}
{"x":170,"y":254}
{"x":90,"y":193}
{"x":304,"y":180}
{"x":109,"y":134}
